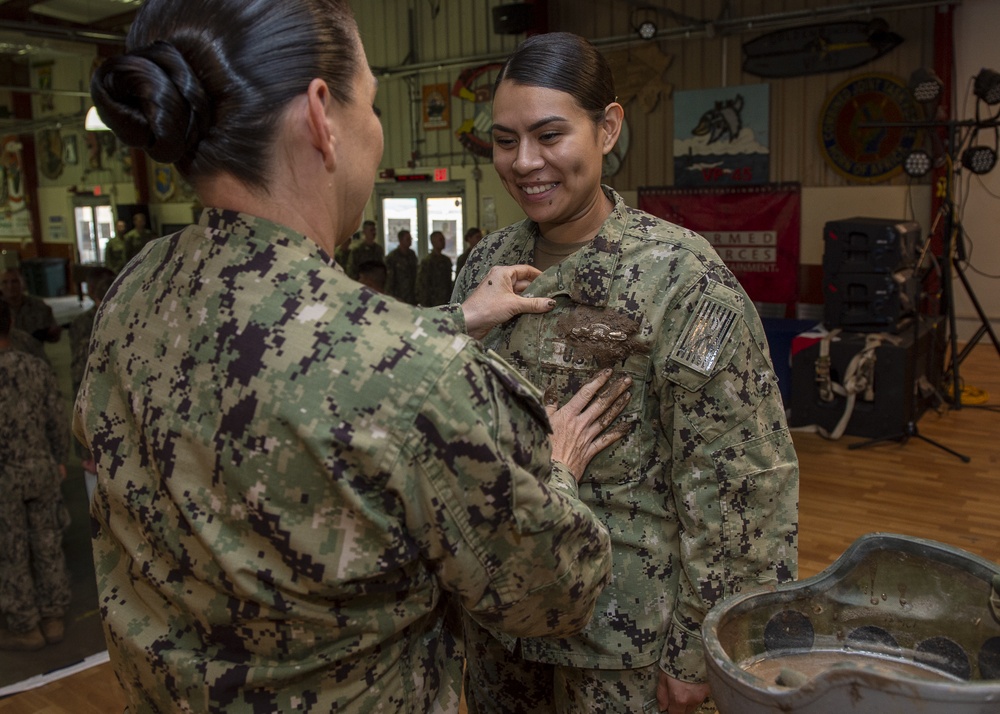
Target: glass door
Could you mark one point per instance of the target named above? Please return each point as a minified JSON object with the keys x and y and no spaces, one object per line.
{"x":422,"y":209}
{"x":94,"y":224}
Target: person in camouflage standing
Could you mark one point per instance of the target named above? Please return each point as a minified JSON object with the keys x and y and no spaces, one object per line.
{"x":297,"y":475}
{"x":365,"y":251}
{"x":115,"y":250}
{"x":137,"y":238}
{"x":472,"y":237}
{"x":34,"y":442}
{"x":401,"y":265}
{"x":434,"y":274}
{"x":701,"y":496}
{"x":31,"y":314}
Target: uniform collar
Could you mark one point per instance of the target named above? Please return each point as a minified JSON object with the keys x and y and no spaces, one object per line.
{"x":586,"y":275}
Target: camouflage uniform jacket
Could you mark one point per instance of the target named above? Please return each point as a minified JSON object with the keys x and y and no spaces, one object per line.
{"x":135,"y":241}
{"x":361,"y":254}
{"x":434,"y":280}
{"x":401,"y":275}
{"x":34,"y":431}
{"x":34,"y":316}
{"x":115,"y":253}
{"x":701,"y":496}
{"x":79,"y":344}
{"x":294,"y":475}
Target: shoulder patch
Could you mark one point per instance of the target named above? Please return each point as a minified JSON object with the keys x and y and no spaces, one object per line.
{"x":706,"y":334}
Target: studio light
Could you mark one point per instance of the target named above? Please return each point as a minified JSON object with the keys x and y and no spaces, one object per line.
{"x":925,"y":85}
{"x":987,"y":86}
{"x":918,"y":163}
{"x":643,"y":20}
{"x":979,"y":159}
{"x":647,"y":30}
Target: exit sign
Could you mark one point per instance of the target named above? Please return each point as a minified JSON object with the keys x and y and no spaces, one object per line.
{"x":440,"y":174}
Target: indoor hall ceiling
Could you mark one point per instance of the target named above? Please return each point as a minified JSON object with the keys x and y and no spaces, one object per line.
{"x":26,"y":25}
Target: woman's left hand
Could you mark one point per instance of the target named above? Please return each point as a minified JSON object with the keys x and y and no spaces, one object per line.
{"x":498,"y":299}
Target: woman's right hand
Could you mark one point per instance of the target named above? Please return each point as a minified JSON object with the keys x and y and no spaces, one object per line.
{"x":580,"y":428}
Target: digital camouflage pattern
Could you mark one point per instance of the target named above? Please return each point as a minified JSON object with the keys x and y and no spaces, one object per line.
{"x":115,"y":253}
{"x":79,"y":344}
{"x":701,"y":496}
{"x":434,"y":280}
{"x":295,"y":472}
{"x":401,"y":275}
{"x":362,"y":253}
{"x":34,"y":440}
{"x":23,"y":342}
{"x":136,"y":240}
{"x":34,"y":316}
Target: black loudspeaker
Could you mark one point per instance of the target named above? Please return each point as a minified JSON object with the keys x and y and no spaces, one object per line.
{"x":869,"y":245}
{"x":869,"y":283}
{"x":898,"y":398}
{"x":512,"y":19}
{"x":869,"y":302}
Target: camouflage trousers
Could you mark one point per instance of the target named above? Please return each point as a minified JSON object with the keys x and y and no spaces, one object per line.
{"x":498,"y":681}
{"x":34,"y":580}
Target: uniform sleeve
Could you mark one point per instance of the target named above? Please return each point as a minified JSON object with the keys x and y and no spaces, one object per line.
{"x":499,"y":520}
{"x":56,"y":421}
{"x":79,"y":342}
{"x":734,"y":469}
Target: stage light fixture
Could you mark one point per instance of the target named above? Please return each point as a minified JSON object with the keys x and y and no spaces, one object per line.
{"x":925,"y":85}
{"x":917,"y":163}
{"x":647,"y":30}
{"x":987,"y":86}
{"x":643,"y":20}
{"x":979,"y":159}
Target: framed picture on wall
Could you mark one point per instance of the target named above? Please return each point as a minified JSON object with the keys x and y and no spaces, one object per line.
{"x":70,"y":157}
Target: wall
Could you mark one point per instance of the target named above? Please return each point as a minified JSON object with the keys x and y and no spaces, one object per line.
{"x":399,"y":34}
{"x":413,"y":43}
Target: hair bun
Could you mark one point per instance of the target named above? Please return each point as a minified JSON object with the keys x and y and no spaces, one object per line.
{"x":152,"y":99}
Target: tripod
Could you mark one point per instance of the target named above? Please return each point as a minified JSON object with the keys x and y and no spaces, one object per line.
{"x":984,"y":323}
{"x":910,"y":430}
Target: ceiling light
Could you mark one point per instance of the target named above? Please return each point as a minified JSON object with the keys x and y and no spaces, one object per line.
{"x":93,"y":121}
{"x":647,"y":30}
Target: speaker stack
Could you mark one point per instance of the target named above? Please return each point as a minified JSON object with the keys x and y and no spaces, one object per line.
{"x":871,"y":284}
{"x":869,"y":281}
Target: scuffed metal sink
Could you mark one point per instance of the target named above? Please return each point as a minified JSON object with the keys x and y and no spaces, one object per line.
{"x":896,"y":624}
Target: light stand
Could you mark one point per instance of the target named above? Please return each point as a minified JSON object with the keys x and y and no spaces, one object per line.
{"x":987,"y":89}
{"x":910,"y":430}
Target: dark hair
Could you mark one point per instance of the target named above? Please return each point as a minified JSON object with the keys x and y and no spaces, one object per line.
{"x":204,"y":82}
{"x":471,"y":232}
{"x":99,"y":283}
{"x":371,"y":266}
{"x":5,"y":318}
{"x":564,"y":62}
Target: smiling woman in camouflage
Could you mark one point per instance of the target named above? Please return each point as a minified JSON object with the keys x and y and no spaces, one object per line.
{"x":296,"y":472}
{"x":701,"y":497}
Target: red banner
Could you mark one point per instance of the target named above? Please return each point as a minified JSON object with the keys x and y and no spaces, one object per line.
{"x":754,"y":229}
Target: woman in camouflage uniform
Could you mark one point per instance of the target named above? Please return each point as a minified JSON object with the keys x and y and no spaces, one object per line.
{"x":701,"y":497}
{"x":294,"y":472}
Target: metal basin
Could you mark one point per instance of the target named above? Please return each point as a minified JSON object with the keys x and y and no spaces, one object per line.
{"x":896,"y":624}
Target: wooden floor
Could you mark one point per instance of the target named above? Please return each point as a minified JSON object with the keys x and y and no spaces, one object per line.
{"x":912,"y":488}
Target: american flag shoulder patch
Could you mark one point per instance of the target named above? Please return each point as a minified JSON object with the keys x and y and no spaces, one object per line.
{"x":705,"y":334}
